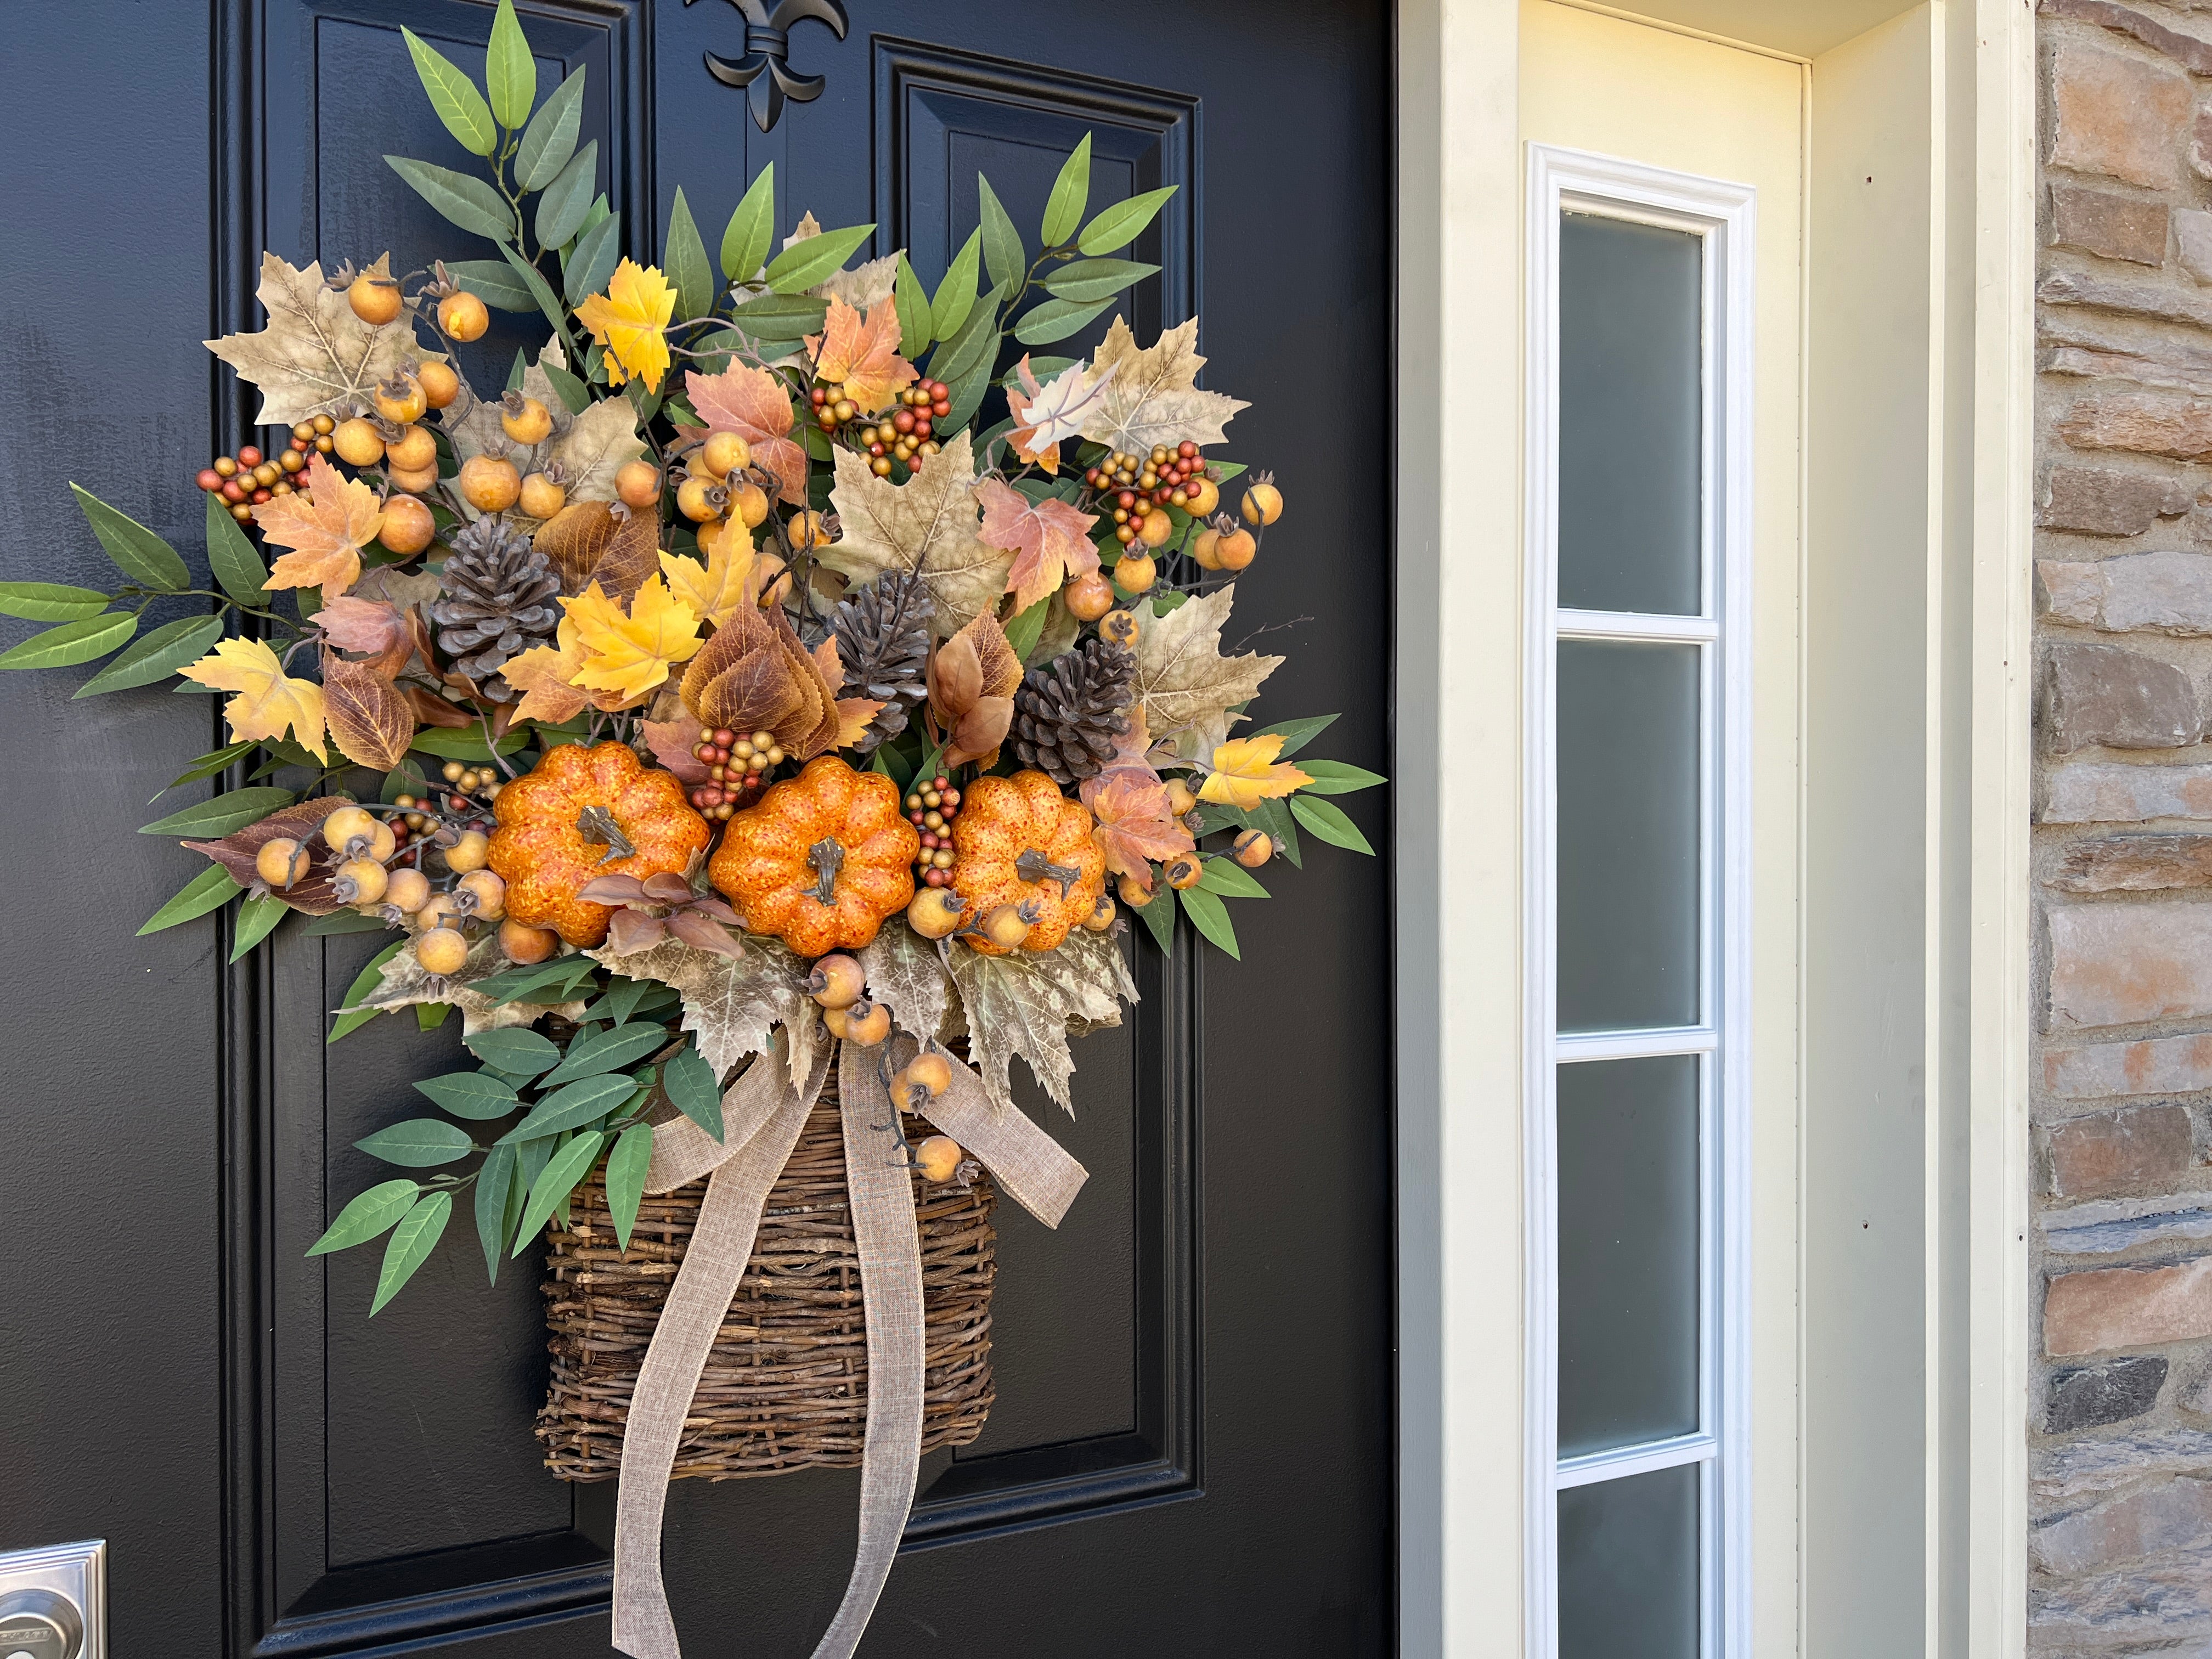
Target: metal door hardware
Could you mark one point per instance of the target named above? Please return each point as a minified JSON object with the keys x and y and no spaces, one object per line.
{"x":53,"y":1602}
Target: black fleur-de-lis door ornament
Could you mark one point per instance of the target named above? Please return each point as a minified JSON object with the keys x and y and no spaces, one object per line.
{"x":764,"y":72}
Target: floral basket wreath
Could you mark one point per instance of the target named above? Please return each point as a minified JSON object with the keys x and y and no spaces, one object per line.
{"x":696,"y":732}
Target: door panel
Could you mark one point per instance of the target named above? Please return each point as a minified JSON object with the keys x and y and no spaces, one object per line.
{"x":1192,"y":1447}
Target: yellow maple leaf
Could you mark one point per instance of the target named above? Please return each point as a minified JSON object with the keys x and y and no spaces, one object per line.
{"x":325,"y":526}
{"x":269,"y":704}
{"x":862,"y":357}
{"x":1245,"y":772}
{"x":716,"y":589}
{"x":631,"y":653}
{"x":631,"y":319}
{"x":544,"y":675}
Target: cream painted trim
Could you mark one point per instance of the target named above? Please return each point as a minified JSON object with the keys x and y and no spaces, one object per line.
{"x":1627,"y":15}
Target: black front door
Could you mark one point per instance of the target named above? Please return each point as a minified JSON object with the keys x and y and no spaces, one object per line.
{"x":1192,"y":1449}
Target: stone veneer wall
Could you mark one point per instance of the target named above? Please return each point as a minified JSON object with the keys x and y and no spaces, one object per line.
{"x":2120,"y":1435}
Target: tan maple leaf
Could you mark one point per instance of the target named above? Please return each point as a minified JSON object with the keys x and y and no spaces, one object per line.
{"x":269,"y":704}
{"x":325,"y":526}
{"x":862,"y":357}
{"x":315,"y":357}
{"x":1153,"y":398}
{"x":753,"y":403}
{"x":864,"y":286}
{"x":1186,"y":685}
{"x":1029,"y":1002}
{"x":732,"y":1005}
{"x":1049,"y":538}
{"x":927,"y":524}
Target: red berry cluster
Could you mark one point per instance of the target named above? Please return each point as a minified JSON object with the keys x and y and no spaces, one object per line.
{"x":931,"y":808}
{"x":1140,"y":485}
{"x":247,"y":479}
{"x":420,"y":816}
{"x":901,"y":436}
{"x":737,"y":764}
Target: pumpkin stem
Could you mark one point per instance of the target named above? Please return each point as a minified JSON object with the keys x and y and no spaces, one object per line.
{"x":1036,"y":867}
{"x":828,"y":858}
{"x":597,"y":825}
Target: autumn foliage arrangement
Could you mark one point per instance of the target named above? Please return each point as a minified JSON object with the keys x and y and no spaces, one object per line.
{"x":724,"y":673}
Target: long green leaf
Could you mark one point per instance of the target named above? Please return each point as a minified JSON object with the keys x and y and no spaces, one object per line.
{"x":207,"y":765}
{"x":1339,"y":777}
{"x":453,"y":96}
{"x":56,"y":602}
{"x":956,"y":294}
{"x":540,"y":291}
{"x":472,"y":203}
{"x":515,"y":1050}
{"x":977,"y":342}
{"x":510,"y":72}
{"x":258,"y":916}
{"x":232,"y":558}
{"x":606,"y":1051}
{"x":1230,"y":879}
{"x":1071,"y":195}
{"x":1210,"y":917}
{"x":575,"y":396}
{"x":156,"y":656}
{"x":568,"y":1166}
{"x":1120,"y":224}
{"x":566,"y":202}
{"x":912,"y":302}
{"x":1274,"y":817}
{"x":1297,"y":734}
{"x":968,"y":389}
{"x":592,"y":261}
{"x":571,"y":1106}
{"x":413,"y":1240}
{"x":466,"y":744}
{"x":343,"y":922}
{"x":367,"y":1215}
{"x":137,"y":551}
{"x":626,"y":1167}
{"x":1096,"y":279}
{"x":1002,"y":244}
{"x":493,"y":281}
{"x":494,"y":1182}
{"x":683,"y":256}
{"x":689,"y":1082}
{"x":1159,"y":917}
{"x":368,"y":980}
{"x":550,"y":140}
{"x":803,"y":265}
{"x":471,"y":1095}
{"x":1326,"y":820}
{"x":1056,"y":319}
{"x":219,"y":815}
{"x":751,"y":228}
{"x":1027,"y":628}
{"x":72,"y":642}
{"x":779,"y":316}
{"x":421,"y":1143}
{"x":208,"y":891}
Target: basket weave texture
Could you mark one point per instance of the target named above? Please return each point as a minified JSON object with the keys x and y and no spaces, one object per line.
{"x":786,"y":1386}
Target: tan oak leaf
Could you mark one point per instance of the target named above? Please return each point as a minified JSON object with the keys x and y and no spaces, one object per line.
{"x":732,"y":1003}
{"x":1049,"y":538}
{"x":1153,"y":398}
{"x":753,"y":403}
{"x":1186,"y":685}
{"x":315,"y":357}
{"x":1030,"y":1002}
{"x":325,"y":526}
{"x":927,"y":524}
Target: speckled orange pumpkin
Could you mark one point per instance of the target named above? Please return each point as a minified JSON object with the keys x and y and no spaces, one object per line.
{"x":1018,"y":840}
{"x":585,"y":812}
{"x":820,"y":859}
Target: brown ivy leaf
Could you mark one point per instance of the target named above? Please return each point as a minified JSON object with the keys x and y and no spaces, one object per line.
{"x":370,"y":718}
{"x":315,"y":357}
{"x":237,"y":851}
{"x":1153,"y":398}
{"x":373,"y":626}
{"x":325,"y":526}
{"x":752,"y":403}
{"x":1049,"y":539}
{"x":927,"y":524}
{"x":1186,"y":685}
{"x":732,"y":1004}
{"x":1030,"y":1002}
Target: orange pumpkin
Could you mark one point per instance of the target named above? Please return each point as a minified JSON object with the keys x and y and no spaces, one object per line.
{"x":1019,"y":840}
{"x":585,"y":812}
{"x":820,"y":859}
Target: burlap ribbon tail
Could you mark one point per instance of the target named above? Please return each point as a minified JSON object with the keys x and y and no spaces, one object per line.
{"x":762,"y":1114}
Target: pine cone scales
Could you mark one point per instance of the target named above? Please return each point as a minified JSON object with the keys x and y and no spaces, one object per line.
{"x":499,"y":601}
{"x":1067,"y":712}
{"x":883,"y":643}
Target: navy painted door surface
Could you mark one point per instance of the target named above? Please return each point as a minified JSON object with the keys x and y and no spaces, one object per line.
{"x":1192,"y":1448}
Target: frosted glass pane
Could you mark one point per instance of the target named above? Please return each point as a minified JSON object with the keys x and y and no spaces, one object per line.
{"x":1628,"y":1567}
{"x":1631,"y":416}
{"x":1628,"y":829}
{"x":1627,"y":1251}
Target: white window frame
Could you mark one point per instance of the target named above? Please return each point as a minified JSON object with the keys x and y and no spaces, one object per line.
{"x":1723,"y":215}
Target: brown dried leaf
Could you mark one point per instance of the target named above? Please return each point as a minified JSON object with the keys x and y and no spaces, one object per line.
{"x":672,"y":742}
{"x":1049,"y":539}
{"x":432,"y":709}
{"x":631,"y":557}
{"x":572,"y":541}
{"x":236,"y":851}
{"x":753,"y":403}
{"x":980,"y":733}
{"x":370,"y":718}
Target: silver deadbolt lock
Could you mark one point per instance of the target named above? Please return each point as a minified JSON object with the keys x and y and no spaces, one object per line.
{"x":54,"y":1603}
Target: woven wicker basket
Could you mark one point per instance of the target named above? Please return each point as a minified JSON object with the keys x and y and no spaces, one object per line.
{"x":786,"y":1385}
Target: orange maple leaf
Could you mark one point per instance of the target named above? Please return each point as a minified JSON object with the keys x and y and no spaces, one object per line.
{"x":1136,"y":821}
{"x":753,"y":403}
{"x":862,"y":356}
{"x":325,"y":526}
{"x":269,"y":704}
{"x":1050,"y":540}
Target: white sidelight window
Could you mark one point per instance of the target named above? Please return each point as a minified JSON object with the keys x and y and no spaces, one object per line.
{"x":1638,"y":519}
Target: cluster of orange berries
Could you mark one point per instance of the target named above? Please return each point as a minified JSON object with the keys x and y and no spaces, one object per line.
{"x":930,"y":808}
{"x":248,"y":479}
{"x":737,"y":766}
{"x":901,"y":436}
{"x":1141,"y":488}
{"x":713,"y":491}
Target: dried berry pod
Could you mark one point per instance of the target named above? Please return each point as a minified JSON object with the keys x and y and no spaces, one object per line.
{"x":407,"y":891}
{"x":375,"y":300}
{"x":935,"y":912}
{"x":542,"y":496}
{"x":526,"y":420}
{"x":408,"y":526}
{"x":1102,"y":915}
{"x":344,"y":825}
{"x":524,"y":944}
{"x":1006,"y":926}
{"x":927,"y":1076}
{"x":490,"y":483}
{"x":441,"y":950}
{"x":358,"y":881}
{"x":833,"y":1021}
{"x":486,"y":894}
{"x":1180,"y":797}
{"x":1204,"y":496}
{"x":1253,"y":848}
{"x":1184,"y":870}
{"x":749,"y":502}
{"x":867,"y":1024}
{"x":1137,"y":572}
{"x":464,"y":316}
{"x":281,"y":862}
{"x":441,"y":385}
{"x":836,"y":981}
{"x":399,"y":400}
{"x":1263,"y":503}
{"x":469,"y":852}
{"x":724,"y":452}
{"x":637,"y":485}
{"x":938,"y":1158}
{"x":1089,"y":597}
{"x":414,"y":449}
{"x":357,"y":443}
{"x":1118,"y":627}
{"x":1134,"y":893}
{"x":1235,"y":549}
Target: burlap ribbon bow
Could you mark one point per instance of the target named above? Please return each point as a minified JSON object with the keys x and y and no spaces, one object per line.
{"x":763,"y":1113}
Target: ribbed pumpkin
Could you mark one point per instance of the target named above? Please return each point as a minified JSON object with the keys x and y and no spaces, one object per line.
{"x":1015,"y":842}
{"x":584,"y":812}
{"x":830,"y":831}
